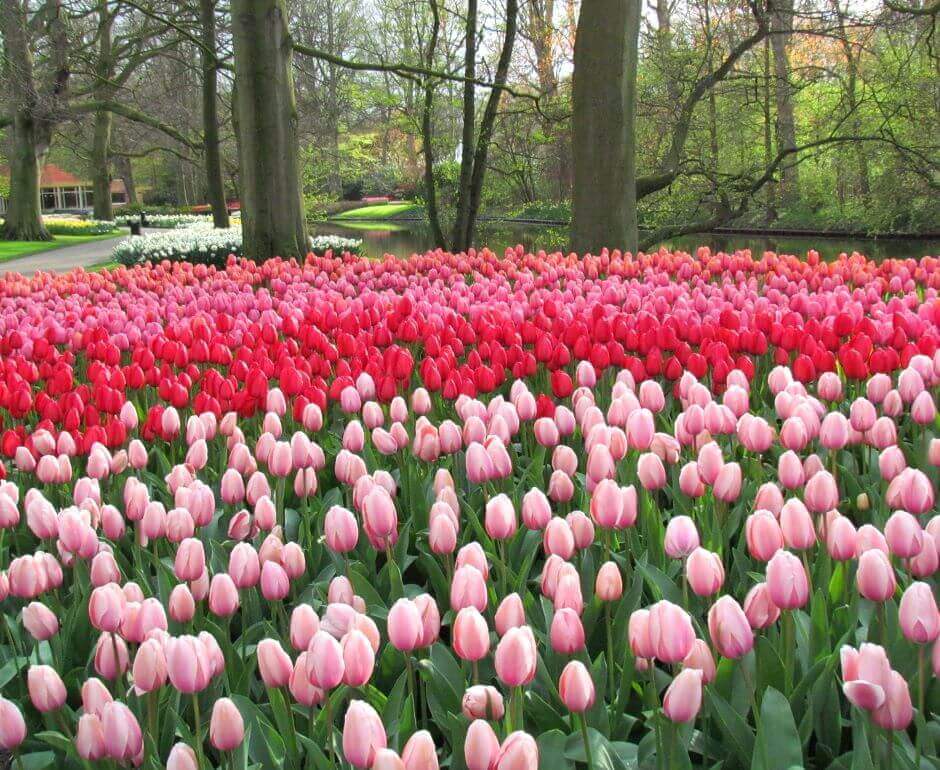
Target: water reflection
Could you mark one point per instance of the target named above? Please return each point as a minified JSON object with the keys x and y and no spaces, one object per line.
{"x":406,"y":238}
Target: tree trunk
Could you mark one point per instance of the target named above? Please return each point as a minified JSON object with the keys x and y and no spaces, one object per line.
{"x":125,"y":172}
{"x":469,"y":127}
{"x":770,"y":210}
{"x":23,"y":218}
{"x":603,"y":139}
{"x":487,"y":124}
{"x":427,"y":134}
{"x":272,"y":208}
{"x":31,"y":132}
{"x":101,"y":166}
{"x":103,"y":120}
{"x":782,"y":20}
{"x":334,"y":178}
{"x":215,"y":187}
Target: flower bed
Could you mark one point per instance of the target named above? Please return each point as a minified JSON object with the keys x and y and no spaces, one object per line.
{"x":203,"y":244}
{"x":167,"y":221}
{"x":74,"y":226}
{"x":472,"y":511}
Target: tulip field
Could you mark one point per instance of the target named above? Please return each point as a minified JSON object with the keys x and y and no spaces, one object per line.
{"x":471,"y":511}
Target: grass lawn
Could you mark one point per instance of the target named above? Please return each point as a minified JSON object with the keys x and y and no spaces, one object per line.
{"x":381,"y":211}
{"x":108,"y":264}
{"x":16,"y":249}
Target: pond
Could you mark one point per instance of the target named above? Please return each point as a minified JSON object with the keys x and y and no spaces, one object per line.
{"x":404,"y":238}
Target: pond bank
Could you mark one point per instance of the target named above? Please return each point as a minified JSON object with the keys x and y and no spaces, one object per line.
{"x":403,"y":237}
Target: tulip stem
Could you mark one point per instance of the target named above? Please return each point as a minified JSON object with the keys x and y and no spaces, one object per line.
{"x":19,"y":760}
{"x":921,"y":670}
{"x":789,"y":642}
{"x":587,"y":742}
{"x":152,"y":714}
{"x":197,"y":728}
{"x":413,"y":690}
{"x":329,"y":728}
{"x":610,"y":651}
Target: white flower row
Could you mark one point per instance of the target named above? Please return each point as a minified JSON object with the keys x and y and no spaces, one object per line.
{"x":201,"y":243}
{"x":167,"y":221}
{"x":337,"y":243}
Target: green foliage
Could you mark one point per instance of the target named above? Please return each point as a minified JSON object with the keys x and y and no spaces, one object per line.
{"x":381,"y":211}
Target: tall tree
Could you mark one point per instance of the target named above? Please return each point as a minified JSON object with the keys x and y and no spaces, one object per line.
{"x":103,"y":119}
{"x":35,"y":102}
{"x":782,"y":22}
{"x":603,"y":210}
{"x":211,"y":145}
{"x":266,"y":128}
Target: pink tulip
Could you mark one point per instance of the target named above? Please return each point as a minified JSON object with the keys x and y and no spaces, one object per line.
{"x":181,"y":605}
{"x":500,"y":518}
{"x":188,"y":664}
{"x":897,"y":711}
{"x":608,"y":586}
{"x":470,"y":633}
{"x":482,"y":702}
{"x":705,"y":572}
{"x":875,"y":576}
{"x":150,"y":670}
{"x":46,"y":689}
{"x":275,"y":582}
{"x":787,"y":581}
{"x":821,"y":493}
{"x":481,"y":746}
{"x":650,"y":471}
{"x":516,"y":657}
{"x":683,"y":698}
{"x":567,"y":632}
{"x":123,"y":740}
{"x":358,"y":658}
{"x":12,"y":725}
{"x":700,"y":657}
{"x":729,"y":628}
{"x":226,"y":726}
{"x":468,"y":589}
{"x":40,"y":621}
{"x":904,"y":535}
{"x":274,"y":663}
{"x":182,"y":757}
{"x":918,"y":615}
{"x":681,"y":537}
{"x":576,"y":688}
{"x":325,"y":664}
{"x":106,"y":607}
{"x":363,"y":734}
{"x":727,"y":486}
{"x":89,"y":738}
{"x":797,"y":526}
{"x":670,"y":632}
{"x":763,"y":535}
{"x":518,"y":752}
{"x":509,"y":614}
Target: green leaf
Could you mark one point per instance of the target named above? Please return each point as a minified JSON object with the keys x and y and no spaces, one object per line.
{"x":264,"y":743}
{"x":37,"y":760}
{"x":730,"y":722}
{"x":552,"y":751}
{"x":603,"y":754}
{"x":778,"y":743}
{"x":55,"y":739}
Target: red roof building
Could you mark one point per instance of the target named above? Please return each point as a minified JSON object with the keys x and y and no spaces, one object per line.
{"x":61,"y":190}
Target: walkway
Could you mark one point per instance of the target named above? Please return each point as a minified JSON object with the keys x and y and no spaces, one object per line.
{"x":64,"y":259}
